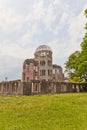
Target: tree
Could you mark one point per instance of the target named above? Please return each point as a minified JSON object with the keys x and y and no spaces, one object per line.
{"x":72,"y":66}
{"x":76,"y":66}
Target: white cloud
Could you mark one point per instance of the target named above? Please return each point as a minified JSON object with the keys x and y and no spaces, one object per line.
{"x":61,"y":23}
{"x":15,"y":50}
{"x":75,"y":32}
{"x":9,"y":20}
{"x":10,"y":67}
{"x":27,"y":37}
{"x":76,"y":26}
{"x":37,"y":12}
{"x":21,"y":24}
{"x":57,"y":2}
{"x":50,"y":16}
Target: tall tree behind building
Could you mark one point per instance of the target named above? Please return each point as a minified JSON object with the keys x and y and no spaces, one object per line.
{"x":76,"y":66}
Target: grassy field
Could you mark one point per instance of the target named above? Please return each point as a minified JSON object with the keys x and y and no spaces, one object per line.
{"x":44,"y":112}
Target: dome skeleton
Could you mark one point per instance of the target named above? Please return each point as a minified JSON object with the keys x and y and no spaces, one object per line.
{"x":43,"y":48}
{"x":42,"y":62}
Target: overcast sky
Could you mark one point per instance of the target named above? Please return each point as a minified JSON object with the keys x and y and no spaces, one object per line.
{"x":27,"y":24}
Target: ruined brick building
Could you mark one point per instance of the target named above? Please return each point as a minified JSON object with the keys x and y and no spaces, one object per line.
{"x":41,"y":67}
{"x":40,"y":76}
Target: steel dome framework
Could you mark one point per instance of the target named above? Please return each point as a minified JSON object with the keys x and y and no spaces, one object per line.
{"x":43,"y":48}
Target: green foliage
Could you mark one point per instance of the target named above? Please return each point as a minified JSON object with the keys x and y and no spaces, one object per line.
{"x":72,"y":66}
{"x":75,"y":79}
{"x":85,"y":12}
{"x":44,"y":112}
{"x":76,"y":66}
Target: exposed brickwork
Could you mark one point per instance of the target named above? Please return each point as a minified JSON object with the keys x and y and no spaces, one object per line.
{"x":17,"y":87}
{"x":40,"y":76}
{"x":11,"y":88}
{"x":41,"y":66}
{"x":30,"y":70}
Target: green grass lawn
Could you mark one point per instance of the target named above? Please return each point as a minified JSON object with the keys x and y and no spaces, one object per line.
{"x":44,"y":112}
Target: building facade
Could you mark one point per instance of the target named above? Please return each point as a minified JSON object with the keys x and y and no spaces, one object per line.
{"x":16,"y":87}
{"x":41,"y":67}
{"x":41,"y":76}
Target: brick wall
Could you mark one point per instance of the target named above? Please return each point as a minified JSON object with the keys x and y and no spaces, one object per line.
{"x":17,"y":87}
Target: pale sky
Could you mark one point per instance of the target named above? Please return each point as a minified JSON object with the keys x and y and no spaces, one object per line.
{"x":27,"y":24}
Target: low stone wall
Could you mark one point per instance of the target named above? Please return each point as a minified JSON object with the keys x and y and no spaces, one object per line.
{"x":11,"y":88}
{"x":43,"y":87}
{"x":27,"y":88}
{"x":31,"y":88}
{"x":17,"y":87}
{"x":62,"y":87}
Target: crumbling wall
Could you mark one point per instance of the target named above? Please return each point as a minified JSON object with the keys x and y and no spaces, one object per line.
{"x":11,"y":88}
{"x":17,"y":87}
{"x":26,"y":88}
